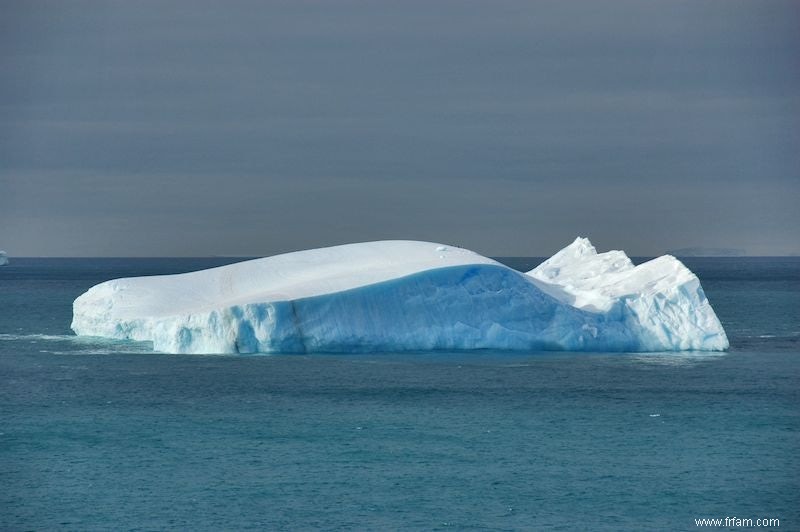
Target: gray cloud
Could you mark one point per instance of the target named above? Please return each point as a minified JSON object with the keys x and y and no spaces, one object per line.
{"x":196,"y":128}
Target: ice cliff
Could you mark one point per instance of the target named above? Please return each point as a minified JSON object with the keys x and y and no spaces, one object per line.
{"x":407,"y":295}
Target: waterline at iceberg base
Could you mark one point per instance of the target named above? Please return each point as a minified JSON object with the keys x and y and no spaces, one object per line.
{"x":408,"y":296}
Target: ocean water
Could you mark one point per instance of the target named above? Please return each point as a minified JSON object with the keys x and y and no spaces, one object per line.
{"x":99,"y":435}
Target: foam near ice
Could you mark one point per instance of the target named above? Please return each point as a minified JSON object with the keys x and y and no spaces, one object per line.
{"x":407,"y":295}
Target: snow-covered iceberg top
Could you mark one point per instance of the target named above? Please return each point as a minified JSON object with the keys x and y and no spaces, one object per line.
{"x":408,"y":295}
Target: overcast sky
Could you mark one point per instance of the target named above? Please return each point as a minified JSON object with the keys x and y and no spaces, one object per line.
{"x":252,"y":128}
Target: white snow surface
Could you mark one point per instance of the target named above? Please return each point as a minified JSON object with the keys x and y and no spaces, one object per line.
{"x":408,"y":295}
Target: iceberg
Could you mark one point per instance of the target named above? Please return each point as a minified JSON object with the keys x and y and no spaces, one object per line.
{"x":3,"y":258}
{"x":407,"y":296}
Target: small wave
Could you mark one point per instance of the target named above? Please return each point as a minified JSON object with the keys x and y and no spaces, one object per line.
{"x":790,"y":334}
{"x":677,"y":358}
{"x":96,"y":351}
{"x":36,"y":337}
{"x":70,"y":344}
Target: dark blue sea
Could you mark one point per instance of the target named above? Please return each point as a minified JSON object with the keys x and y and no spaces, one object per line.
{"x":100,"y":435}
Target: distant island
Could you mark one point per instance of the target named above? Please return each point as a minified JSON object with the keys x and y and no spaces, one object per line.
{"x":707,"y":252}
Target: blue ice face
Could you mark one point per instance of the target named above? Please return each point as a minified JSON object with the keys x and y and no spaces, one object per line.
{"x":658,"y":306}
